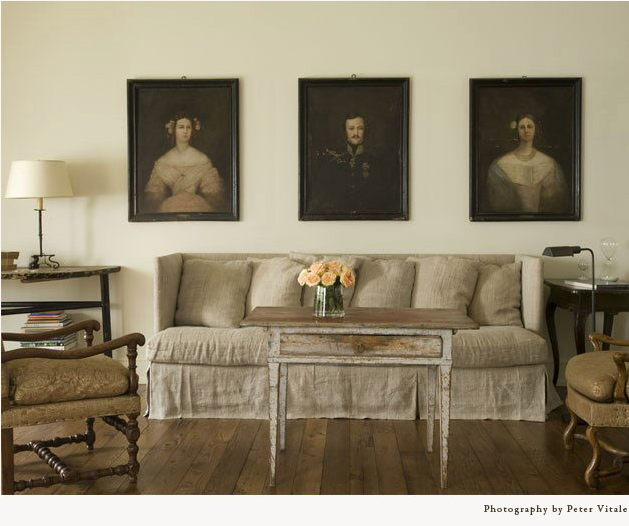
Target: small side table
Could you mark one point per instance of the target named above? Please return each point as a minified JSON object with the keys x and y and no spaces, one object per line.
{"x":25,"y":275}
{"x":369,"y":337}
{"x":611,"y":301}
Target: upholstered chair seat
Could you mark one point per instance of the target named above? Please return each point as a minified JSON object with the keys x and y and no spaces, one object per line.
{"x":43,"y":381}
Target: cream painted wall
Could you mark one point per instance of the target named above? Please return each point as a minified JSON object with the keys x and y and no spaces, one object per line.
{"x":64,"y":67}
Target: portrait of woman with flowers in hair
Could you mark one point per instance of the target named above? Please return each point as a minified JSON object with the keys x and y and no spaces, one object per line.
{"x":183,"y":149}
{"x":184,"y":178}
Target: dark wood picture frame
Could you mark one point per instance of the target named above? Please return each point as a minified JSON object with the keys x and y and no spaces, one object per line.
{"x":520,"y":177}
{"x":174,"y":177}
{"x":363,"y":176}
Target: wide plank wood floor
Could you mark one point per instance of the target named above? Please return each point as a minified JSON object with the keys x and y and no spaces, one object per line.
{"x":339,"y":456}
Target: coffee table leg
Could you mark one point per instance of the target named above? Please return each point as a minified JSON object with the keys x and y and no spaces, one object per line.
{"x":273,"y":396}
{"x":444,"y":423}
{"x":431,"y":373}
{"x":283,"y":375}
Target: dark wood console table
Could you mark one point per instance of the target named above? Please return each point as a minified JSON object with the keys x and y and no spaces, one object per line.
{"x":610,"y":300}
{"x":25,"y":275}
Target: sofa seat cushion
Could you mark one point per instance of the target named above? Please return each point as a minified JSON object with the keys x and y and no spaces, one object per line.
{"x":207,"y":346}
{"x":593,"y":374}
{"x":497,"y":347}
{"x":42,"y":380}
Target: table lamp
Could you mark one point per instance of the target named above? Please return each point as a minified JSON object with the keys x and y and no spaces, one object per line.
{"x":555,"y":252}
{"x":36,"y":180}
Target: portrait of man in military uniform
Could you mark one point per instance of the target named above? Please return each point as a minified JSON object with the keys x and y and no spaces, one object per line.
{"x":354,"y":157}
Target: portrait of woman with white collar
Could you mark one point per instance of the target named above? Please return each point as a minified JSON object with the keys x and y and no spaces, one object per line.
{"x":184,"y":178}
{"x":525,"y":149}
{"x":526,"y":180}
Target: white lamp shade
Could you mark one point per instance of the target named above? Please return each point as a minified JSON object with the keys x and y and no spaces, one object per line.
{"x":34,"y":179}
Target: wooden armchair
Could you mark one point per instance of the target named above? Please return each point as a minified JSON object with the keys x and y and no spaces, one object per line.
{"x":598,"y":393}
{"x":41,"y":386}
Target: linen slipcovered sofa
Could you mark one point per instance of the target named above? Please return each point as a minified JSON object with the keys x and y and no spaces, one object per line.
{"x":202,"y":364}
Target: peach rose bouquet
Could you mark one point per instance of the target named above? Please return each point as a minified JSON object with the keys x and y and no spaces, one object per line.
{"x":329,"y":277}
{"x":327,"y":273}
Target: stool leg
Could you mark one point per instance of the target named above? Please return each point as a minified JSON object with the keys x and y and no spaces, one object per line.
{"x":591,"y":475}
{"x":133,"y":433}
{"x":7,"y":461}
{"x":568,"y":434}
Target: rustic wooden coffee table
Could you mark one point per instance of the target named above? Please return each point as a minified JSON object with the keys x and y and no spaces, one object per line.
{"x":365,"y":336}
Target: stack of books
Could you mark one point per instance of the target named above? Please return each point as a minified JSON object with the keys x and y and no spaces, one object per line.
{"x":48,"y":321}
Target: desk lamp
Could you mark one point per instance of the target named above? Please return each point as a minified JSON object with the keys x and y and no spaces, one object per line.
{"x":555,"y":252}
{"x":36,"y":180}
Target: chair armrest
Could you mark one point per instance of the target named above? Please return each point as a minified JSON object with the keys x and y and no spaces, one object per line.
{"x":620,"y":358}
{"x":131,"y":341}
{"x":73,"y":354}
{"x":89,"y":326}
{"x":620,"y":387}
{"x":597,"y":339}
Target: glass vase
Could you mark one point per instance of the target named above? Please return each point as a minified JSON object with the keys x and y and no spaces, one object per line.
{"x":328,"y":301}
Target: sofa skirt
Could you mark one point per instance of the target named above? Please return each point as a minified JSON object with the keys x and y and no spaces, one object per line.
{"x":330,"y":391}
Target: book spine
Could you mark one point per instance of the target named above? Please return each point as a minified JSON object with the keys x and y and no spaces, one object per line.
{"x":45,"y":345}
{"x":44,"y":325}
{"x":48,"y":318}
{"x":48,"y":342}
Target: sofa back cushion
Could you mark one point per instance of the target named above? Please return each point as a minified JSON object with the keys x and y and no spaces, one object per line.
{"x":444,"y":283}
{"x":274,"y":283}
{"x":498,"y":295}
{"x":384,"y":283}
{"x":212,"y":293}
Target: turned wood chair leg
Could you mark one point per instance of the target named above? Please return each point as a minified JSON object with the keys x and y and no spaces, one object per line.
{"x":591,"y":475}
{"x":568,"y":434}
{"x":133,"y":433}
{"x":90,"y":434}
{"x":7,"y":462}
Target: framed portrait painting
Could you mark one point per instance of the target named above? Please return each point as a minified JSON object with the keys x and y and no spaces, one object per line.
{"x":353,"y":149}
{"x":525,"y":149}
{"x":183,"y":150}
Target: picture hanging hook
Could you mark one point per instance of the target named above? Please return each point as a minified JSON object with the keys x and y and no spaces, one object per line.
{"x":353,"y":76}
{"x":183,"y":77}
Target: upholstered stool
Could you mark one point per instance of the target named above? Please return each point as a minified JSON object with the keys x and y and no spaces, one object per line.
{"x":598,"y":393}
{"x":42,"y":386}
